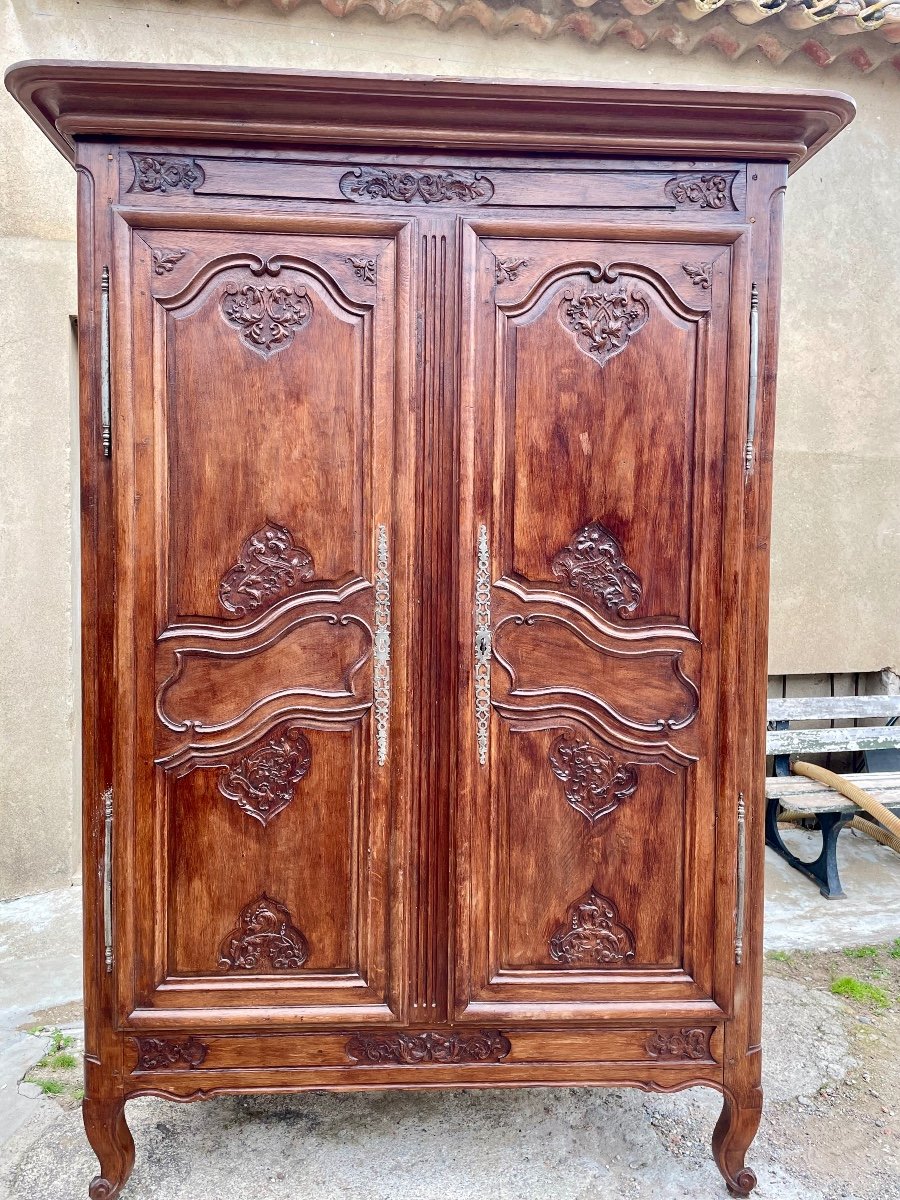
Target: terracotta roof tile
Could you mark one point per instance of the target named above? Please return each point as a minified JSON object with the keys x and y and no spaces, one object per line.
{"x":864,"y":35}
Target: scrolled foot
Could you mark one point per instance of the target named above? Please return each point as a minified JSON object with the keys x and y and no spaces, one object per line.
{"x":111,"y":1140}
{"x":735,"y":1130}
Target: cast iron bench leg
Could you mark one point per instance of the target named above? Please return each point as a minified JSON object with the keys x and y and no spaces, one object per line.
{"x":822,"y":870}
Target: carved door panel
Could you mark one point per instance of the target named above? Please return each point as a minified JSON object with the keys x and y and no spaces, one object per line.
{"x":598,"y":417}
{"x":257,"y":537}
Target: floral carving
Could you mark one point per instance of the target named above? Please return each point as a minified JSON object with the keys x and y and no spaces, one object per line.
{"x":267,"y":317}
{"x":263,"y":782}
{"x":595,"y":783}
{"x":164,"y":259}
{"x":593,"y":563}
{"x":592,"y":934}
{"x":154,"y":173}
{"x":404,"y":186}
{"x":487,"y":1045}
{"x":679,"y":1043}
{"x":700,"y":274}
{"x":605,"y":320}
{"x":265,"y":940}
{"x":162,"y":1054}
{"x":701,"y":191}
{"x":270,"y":567}
{"x":507,"y":269}
{"x":365,"y":269}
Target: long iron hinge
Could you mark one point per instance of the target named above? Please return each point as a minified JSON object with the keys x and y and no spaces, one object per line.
{"x":105,"y":407}
{"x":107,"y":876}
{"x":741,"y":880}
{"x":753,"y":382}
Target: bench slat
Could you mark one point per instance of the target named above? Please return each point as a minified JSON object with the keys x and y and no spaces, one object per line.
{"x":808,"y":795}
{"x":832,"y":708}
{"x":822,"y":741}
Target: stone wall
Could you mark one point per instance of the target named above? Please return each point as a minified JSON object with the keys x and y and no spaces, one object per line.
{"x":836,"y":492}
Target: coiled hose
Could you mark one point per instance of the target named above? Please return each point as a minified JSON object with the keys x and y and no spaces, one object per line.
{"x":887,"y":833}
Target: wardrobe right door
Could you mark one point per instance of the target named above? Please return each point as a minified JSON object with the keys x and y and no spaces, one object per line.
{"x":604,"y":386}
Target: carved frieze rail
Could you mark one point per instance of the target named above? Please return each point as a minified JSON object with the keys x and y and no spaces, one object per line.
{"x":166,"y":1054}
{"x":677,"y":1044}
{"x":165,"y":173}
{"x":485,"y":1045}
{"x":406,"y":185}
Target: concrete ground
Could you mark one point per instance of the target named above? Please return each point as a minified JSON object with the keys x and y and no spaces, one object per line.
{"x":578,"y":1144}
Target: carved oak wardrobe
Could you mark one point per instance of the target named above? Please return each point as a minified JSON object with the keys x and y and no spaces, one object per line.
{"x":426,"y":446}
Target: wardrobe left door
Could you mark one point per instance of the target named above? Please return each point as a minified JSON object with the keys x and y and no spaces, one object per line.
{"x":262,"y":605}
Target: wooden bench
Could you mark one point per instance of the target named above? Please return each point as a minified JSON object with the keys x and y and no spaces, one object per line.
{"x":878,"y":743}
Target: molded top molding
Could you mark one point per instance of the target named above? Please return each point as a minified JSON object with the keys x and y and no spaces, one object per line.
{"x":129,"y":101}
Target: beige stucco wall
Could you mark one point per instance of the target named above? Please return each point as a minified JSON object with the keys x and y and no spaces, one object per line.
{"x":835,"y":539}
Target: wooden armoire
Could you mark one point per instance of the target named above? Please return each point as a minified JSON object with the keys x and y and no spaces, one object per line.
{"x":426,"y":440}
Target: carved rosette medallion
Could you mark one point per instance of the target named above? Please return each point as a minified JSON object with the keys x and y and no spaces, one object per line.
{"x":676,"y":1044}
{"x":270,"y":567}
{"x":376,"y":185}
{"x":166,"y":1054}
{"x":700,"y":274}
{"x":605,"y":319}
{"x":165,"y":259}
{"x":595,"y":783}
{"x":486,"y":1045}
{"x":365,"y":269}
{"x":701,"y":191}
{"x":507,"y":269}
{"x":156,"y":173}
{"x":265,"y":940}
{"x":592,"y":563}
{"x":592,"y":934}
{"x":267,"y":317}
{"x":263,"y":782}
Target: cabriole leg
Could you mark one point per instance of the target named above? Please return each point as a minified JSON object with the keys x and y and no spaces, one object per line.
{"x":735,"y":1130}
{"x":111,"y":1140}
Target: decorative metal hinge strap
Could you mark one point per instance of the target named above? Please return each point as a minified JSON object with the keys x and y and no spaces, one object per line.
{"x":482,"y":645}
{"x":752,"y":387}
{"x":105,"y":407}
{"x":382,"y":665}
{"x":107,"y":876}
{"x":741,"y":880}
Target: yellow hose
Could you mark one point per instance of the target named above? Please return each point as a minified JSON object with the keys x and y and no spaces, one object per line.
{"x":889,"y":836}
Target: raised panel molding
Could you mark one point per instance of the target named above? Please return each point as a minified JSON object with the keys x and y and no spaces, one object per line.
{"x":166,"y":1054}
{"x":269,"y":567}
{"x":595,"y":782}
{"x":265,"y":940}
{"x":604,"y":320}
{"x":487,"y":1045}
{"x":593,"y":563}
{"x":673,"y":1045}
{"x":702,"y":191}
{"x":266,"y":317}
{"x":263,"y":781}
{"x":592,"y":934}
{"x":407,"y":186}
{"x":165,"y":173}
